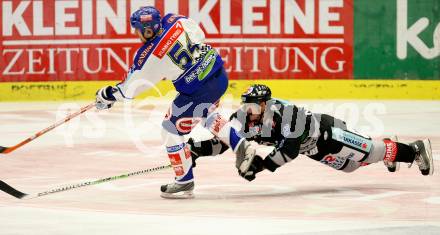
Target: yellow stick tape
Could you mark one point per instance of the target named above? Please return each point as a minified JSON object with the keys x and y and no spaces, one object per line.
{"x":285,"y":89}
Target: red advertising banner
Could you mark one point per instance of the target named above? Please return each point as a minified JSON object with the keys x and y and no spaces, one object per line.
{"x":260,"y":39}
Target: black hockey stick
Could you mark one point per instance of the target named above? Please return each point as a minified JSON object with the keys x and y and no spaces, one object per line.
{"x":20,"y":195}
{"x":10,"y":190}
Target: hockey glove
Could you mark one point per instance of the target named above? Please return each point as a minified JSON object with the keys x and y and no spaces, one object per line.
{"x":257,"y":165}
{"x":105,"y":98}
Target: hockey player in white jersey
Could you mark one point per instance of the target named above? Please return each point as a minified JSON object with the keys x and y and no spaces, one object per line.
{"x":173,"y":48}
{"x":293,"y":130}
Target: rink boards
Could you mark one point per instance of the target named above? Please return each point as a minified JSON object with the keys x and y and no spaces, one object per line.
{"x":287,"y":89}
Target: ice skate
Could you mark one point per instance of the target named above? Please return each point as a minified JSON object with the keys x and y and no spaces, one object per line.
{"x":392,"y":166}
{"x":177,"y":191}
{"x":424,"y":157}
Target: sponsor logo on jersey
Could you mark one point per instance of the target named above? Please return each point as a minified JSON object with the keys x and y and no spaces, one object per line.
{"x":351,"y":139}
{"x":168,"y":40}
{"x":334,"y":161}
{"x":175,"y":148}
{"x":217,"y":125}
{"x":203,"y":68}
{"x":354,"y":142}
{"x":175,"y":159}
{"x":144,"y":54}
{"x":179,"y":170}
{"x":328,"y":160}
{"x":185,"y":125}
{"x":390,"y":150}
{"x":187,"y":152}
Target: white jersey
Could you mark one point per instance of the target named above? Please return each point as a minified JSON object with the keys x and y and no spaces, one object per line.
{"x":177,"y":53}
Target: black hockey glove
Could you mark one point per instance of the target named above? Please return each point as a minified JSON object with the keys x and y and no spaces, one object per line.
{"x":105,"y":98}
{"x":257,"y":165}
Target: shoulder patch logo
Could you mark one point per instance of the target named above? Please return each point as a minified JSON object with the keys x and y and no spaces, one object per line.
{"x":168,"y":40}
{"x":144,"y":54}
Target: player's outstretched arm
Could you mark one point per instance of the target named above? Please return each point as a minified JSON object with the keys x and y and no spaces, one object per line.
{"x":282,"y":154}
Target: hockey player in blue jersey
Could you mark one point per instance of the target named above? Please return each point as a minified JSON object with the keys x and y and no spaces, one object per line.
{"x":173,"y":48}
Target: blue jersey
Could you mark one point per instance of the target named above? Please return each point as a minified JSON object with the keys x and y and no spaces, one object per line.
{"x":177,"y":53}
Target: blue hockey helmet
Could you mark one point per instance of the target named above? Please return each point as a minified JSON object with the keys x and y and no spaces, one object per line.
{"x":146,"y":17}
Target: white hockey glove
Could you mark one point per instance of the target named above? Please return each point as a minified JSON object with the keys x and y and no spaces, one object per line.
{"x":105,"y":97}
{"x":257,"y":165}
{"x":245,"y":156}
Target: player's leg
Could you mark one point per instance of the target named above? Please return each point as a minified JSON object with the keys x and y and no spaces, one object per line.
{"x":339,"y":147}
{"x":180,"y":159}
{"x":177,"y":123}
{"x":419,"y":152}
{"x":185,"y":112}
{"x":332,"y":152}
{"x":358,"y":148}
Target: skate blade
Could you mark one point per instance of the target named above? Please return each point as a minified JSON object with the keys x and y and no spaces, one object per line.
{"x":428,"y":150}
{"x":180,"y":195}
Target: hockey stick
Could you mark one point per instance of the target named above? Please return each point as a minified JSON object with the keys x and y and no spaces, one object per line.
{"x":5,"y":150}
{"x":20,"y":195}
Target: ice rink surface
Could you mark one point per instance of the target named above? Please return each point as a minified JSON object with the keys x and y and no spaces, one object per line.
{"x":302,"y":197}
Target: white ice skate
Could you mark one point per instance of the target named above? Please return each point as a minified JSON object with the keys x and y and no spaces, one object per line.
{"x":424,"y":157}
{"x":392,"y":166}
{"x":177,"y":191}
